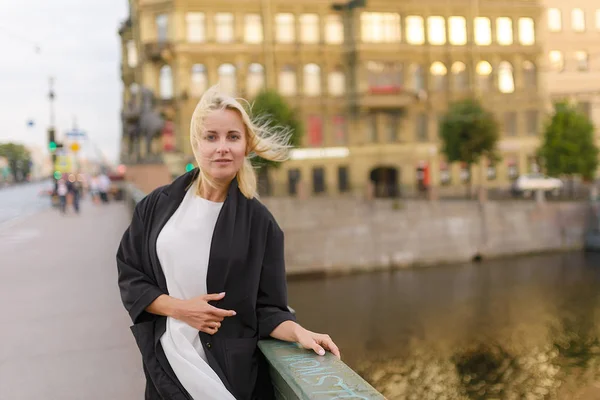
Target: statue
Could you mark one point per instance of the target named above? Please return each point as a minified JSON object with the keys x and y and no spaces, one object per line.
{"x":141,"y":123}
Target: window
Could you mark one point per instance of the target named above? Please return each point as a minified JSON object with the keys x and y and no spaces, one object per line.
{"x":581,"y":57}
{"x":384,"y":78}
{"x":337,"y":82}
{"x":513,"y":169}
{"x":506,"y":82}
{"x":458,"y":30}
{"x":227,"y":78}
{"x":255,"y":79}
{"x":334,"y":29}
{"x":557,"y":61}
{"x":380,"y":27}
{"x":166,"y":83}
{"x":253,"y":29}
{"x":196,"y":27}
{"x":318,"y":180}
{"x":315,"y":131}
{"x":294,"y":178}
{"x":392,"y":127}
{"x":531,"y":122}
{"x":312,"y":80}
{"x":199,"y":82}
{"x":339,"y":130}
{"x":418,"y":77}
{"x":483,"y":31}
{"x":132,"y":57}
{"x":224,"y":27}
{"x":162,"y":27}
{"x":285,"y":29}
{"x":554,"y":20}
{"x":438,"y":73}
{"x":445,"y":175}
{"x":287,"y":81}
{"x":510,"y":123}
{"x":309,"y":28}
{"x":343,"y":180}
{"x":459,"y":76}
{"x":415,"y":30}
{"x":504,"y":31}
{"x":526,"y":31}
{"x":578,"y":20}
{"x":421,"y":126}
{"x":529,"y":75}
{"x":484,"y":76}
{"x":371,"y":122}
{"x":436,"y":30}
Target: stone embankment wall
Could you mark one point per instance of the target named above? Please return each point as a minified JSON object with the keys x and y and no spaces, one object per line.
{"x":343,"y":235}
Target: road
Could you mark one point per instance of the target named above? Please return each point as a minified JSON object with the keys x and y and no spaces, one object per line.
{"x":22,"y":200}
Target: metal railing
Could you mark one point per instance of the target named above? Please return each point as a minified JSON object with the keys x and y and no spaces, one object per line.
{"x":297,"y":373}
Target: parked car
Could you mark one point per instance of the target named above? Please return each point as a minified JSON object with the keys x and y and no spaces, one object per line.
{"x":526,"y":185}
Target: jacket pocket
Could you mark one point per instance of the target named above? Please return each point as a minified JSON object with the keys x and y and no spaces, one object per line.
{"x":242,"y":365}
{"x":144,"y":334}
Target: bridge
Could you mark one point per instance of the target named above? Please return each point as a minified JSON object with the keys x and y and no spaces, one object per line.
{"x":67,"y":331}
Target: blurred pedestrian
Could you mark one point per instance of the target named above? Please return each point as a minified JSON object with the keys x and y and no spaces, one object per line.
{"x":170,"y":267}
{"x":103,"y":187}
{"x":62,"y":190}
{"x":75,"y":193}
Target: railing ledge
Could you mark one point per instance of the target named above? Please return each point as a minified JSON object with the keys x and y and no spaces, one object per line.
{"x":301,"y":374}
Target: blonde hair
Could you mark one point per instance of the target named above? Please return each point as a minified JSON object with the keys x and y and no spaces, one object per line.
{"x":269,"y":142}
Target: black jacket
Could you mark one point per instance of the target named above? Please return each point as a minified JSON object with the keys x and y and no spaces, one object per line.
{"x":246,"y":261}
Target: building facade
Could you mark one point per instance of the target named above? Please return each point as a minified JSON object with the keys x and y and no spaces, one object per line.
{"x":369,"y":81}
{"x":571,"y":69}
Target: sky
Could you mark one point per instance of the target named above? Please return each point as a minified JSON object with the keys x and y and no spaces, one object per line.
{"x":79,"y":47}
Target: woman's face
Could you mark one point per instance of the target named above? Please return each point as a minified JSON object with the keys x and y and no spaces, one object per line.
{"x":222,"y":147}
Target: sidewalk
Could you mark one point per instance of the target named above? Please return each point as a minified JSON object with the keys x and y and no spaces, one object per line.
{"x":64,"y":333}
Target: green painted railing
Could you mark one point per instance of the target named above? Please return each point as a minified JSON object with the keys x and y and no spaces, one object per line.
{"x":298,"y":373}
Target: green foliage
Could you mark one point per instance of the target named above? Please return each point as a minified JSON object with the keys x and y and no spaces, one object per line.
{"x":568,"y":147}
{"x":18,"y":159}
{"x":269,"y":106}
{"x":468,"y":132}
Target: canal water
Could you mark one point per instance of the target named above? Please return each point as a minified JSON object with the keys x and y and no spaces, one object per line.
{"x":523,"y":328}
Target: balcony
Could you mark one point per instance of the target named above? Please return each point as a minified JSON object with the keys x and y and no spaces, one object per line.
{"x":158,"y":51}
{"x":387,"y":98}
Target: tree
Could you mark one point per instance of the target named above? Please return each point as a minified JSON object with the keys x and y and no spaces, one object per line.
{"x":19,"y":159}
{"x":469,"y":132}
{"x":568,"y":147}
{"x":270,"y":107}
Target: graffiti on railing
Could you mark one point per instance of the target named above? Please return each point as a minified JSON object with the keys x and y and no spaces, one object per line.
{"x":319,"y":376}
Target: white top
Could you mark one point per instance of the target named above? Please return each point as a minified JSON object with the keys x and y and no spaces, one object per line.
{"x":183,"y":248}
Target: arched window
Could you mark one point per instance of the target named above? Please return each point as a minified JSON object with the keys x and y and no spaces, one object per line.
{"x":506,"y":81}
{"x":166,"y":83}
{"x":132,"y":57}
{"x":459,"y":76}
{"x":199,"y":80}
{"x":255,"y":82}
{"x":227,"y":79}
{"x":484,"y":76}
{"x":337,"y":82}
{"x":529,"y":75}
{"x":418,"y":77}
{"x":312,"y":80}
{"x":288,"y":85}
{"x":438,"y":72}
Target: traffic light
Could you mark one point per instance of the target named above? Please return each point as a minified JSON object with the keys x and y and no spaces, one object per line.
{"x":52,"y":147}
{"x":51,"y":138}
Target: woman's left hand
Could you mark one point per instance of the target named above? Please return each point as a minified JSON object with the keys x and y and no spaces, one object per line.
{"x":317,"y":342}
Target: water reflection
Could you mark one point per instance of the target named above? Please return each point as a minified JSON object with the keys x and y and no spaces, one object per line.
{"x":512,"y":329}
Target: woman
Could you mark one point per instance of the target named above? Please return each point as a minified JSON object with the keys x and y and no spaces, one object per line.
{"x":201,"y":267}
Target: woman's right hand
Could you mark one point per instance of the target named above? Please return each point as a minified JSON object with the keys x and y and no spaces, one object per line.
{"x":198,"y":314}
